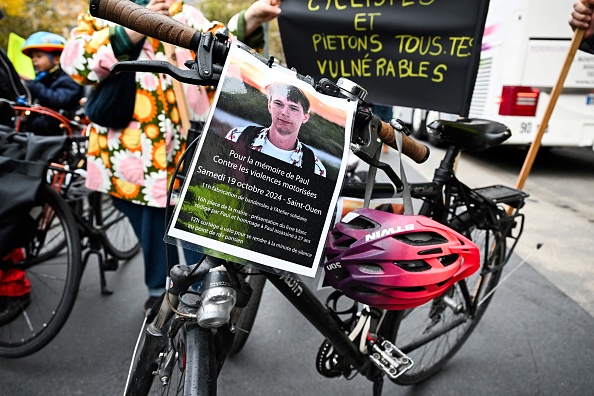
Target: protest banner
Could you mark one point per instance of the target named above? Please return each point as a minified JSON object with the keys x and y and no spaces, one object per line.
{"x":413,"y":53}
{"x":250,"y":197}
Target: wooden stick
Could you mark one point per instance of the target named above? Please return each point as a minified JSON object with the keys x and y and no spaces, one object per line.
{"x":178,"y":89}
{"x":575,"y":43}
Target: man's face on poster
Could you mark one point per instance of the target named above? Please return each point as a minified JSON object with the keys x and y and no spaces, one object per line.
{"x":287,"y":116}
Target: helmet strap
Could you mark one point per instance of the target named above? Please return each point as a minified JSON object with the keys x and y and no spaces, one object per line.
{"x":371,"y":178}
{"x":50,"y":56}
{"x":406,"y":197}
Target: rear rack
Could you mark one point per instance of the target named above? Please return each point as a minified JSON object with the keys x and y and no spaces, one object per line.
{"x":502,"y":194}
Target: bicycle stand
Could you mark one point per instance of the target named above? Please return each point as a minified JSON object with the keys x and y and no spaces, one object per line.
{"x":105,"y":263}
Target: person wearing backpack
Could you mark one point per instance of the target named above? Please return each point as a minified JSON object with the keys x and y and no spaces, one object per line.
{"x":135,"y":163}
{"x":289,"y":110}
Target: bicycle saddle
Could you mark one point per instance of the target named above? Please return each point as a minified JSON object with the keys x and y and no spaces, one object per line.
{"x":471,"y":134}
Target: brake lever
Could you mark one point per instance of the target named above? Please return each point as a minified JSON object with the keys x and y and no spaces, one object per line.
{"x":367,"y":145}
{"x":190,"y":76}
{"x":370,"y":160}
{"x":205,"y":70}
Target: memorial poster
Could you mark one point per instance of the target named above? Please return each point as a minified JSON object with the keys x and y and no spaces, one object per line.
{"x":263,"y":184}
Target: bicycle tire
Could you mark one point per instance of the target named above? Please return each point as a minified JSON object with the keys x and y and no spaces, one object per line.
{"x":193,"y":364}
{"x":249,"y":312}
{"x":201,"y":367}
{"x":54,"y":281}
{"x":119,"y":239}
{"x":421,"y":332}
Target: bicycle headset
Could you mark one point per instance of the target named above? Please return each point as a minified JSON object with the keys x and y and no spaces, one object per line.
{"x":392,"y":261}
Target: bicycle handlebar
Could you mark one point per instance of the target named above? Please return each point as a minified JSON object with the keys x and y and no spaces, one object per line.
{"x":416,"y":151}
{"x":164,"y":28}
{"x":147,"y":22}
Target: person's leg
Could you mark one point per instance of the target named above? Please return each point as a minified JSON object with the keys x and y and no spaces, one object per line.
{"x":149,"y":225}
{"x":155,"y":267}
{"x":192,"y":256}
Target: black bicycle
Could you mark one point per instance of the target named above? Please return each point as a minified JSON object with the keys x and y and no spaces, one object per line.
{"x":183,"y":346}
{"x":63,"y":220}
{"x":34,"y":214}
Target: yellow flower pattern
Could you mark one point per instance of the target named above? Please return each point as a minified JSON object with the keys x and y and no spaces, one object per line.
{"x":131,"y":139}
{"x":126,"y":190}
{"x":145,"y":107}
{"x":160,"y":155}
{"x":136,"y":156}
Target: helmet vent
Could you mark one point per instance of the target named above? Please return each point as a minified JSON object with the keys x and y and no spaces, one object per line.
{"x":342,"y":241}
{"x":430,"y":251}
{"x":410,"y":289}
{"x":364,"y":291}
{"x":413,"y":265}
{"x":449,"y":259}
{"x":370,"y":268}
{"x":362,"y":223}
{"x":421,"y":238}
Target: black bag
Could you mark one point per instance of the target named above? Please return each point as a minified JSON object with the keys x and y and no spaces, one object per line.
{"x":24,"y":158}
{"x":111,"y":104}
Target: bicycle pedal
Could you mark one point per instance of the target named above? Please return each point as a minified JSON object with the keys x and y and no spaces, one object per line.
{"x":110,"y":264}
{"x":390,"y":359}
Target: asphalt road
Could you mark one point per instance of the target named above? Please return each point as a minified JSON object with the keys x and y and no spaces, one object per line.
{"x":535,"y":339}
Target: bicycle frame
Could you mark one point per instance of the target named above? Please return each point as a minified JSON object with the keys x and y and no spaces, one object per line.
{"x":443,"y":195}
{"x":306,"y":302}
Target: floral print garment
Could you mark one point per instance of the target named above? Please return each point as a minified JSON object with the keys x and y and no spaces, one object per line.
{"x":137,"y":162}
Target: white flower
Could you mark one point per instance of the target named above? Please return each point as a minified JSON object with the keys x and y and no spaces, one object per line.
{"x":98,"y":176}
{"x":148,"y":81}
{"x":72,"y":58}
{"x":147,"y":152}
{"x":128,"y":166}
{"x":113,"y":138}
{"x":155,"y":189}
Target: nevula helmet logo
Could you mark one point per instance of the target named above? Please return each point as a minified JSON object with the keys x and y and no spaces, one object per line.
{"x":388,"y":231}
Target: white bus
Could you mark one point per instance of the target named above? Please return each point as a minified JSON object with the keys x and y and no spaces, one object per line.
{"x":525,"y":44}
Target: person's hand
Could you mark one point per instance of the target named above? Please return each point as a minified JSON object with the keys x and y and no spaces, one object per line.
{"x":159,"y":6}
{"x":582,"y":17}
{"x":40,"y":75}
{"x":260,"y":12}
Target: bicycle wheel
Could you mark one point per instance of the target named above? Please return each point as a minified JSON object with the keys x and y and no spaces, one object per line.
{"x":54,"y":280}
{"x":432,"y":333}
{"x":185,"y":367}
{"x":248,"y":313}
{"x":119,"y":240}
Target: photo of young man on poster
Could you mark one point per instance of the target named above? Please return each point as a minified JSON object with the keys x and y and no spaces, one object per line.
{"x":289,"y":109}
{"x":269,"y":197}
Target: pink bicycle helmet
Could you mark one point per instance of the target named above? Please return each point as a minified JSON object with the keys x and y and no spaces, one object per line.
{"x":392,"y":261}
